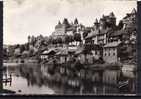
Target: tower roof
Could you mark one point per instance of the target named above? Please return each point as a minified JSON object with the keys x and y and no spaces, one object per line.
{"x":65,"y":21}
{"x":75,"y":21}
{"x":133,"y":11}
{"x":59,"y":22}
{"x":96,"y":21}
{"x":103,"y":16}
{"x":111,"y":15}
{"x":58,"y":25}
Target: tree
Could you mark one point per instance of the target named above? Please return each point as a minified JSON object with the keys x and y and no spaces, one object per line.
{"x":77,"y":37}
{"x":11,"y":51}
{"x":59,"y":40}
{"x":5,"y":53}
{"x":17,"y":46}
{"x":26,"y":46}
{"x":22,"y":48}
{"x":54,"y":41}
{"x":29,"y":39}
{"x":67,"y":39}
{"x":50,"y":40}
{"x":71,"y":38}
{"x":17,"y":52}
{"x":31,"y":52}
{"x":85,"y":34}
{"x":120,"y":25}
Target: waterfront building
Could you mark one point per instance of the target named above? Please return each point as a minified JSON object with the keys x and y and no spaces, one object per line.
{"x":130,"y":19}
{"x":107,"y":23}
{"x":97,"y":51}
{"x":116,"y":36}
{"x":110,"y":52}
{"x":100,"y":31}
{"x":44,"y":55}
{"x":92,"y":37}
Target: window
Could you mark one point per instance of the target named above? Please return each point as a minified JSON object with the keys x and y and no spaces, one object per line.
{"x":113,"y":49}
{"x":114,"y":54}
{"x":93,"y":42}
{"x":95,"y":52}
{"x":105,"y":54}
{"x":109,"y":54}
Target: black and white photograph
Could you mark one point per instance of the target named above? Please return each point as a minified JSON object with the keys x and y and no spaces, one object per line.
{"x":70,"y":47}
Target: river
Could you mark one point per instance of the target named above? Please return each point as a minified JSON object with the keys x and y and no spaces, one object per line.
{"x":21,"y":85}
{"x":33,"y":79}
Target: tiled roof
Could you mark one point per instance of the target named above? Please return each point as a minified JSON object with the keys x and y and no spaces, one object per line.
{"x":92,"y":34}
{"x":79,"y":51}
{"x":71,"y":28}
{"x":58,"y":26}
{"x":103,"y":31}
{"x":118,"y":33}
{"x":113,"y":44}
{"x":65,"y":51}
{"x":49,"y":51}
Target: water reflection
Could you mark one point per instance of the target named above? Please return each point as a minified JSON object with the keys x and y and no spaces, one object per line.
{"x":27,"y":79}
{"x":35,"y":79}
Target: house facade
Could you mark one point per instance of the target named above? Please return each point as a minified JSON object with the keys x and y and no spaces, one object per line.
{"x":110,"y":52}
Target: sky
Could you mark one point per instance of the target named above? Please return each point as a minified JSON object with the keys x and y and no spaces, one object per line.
{"x":35,"y":17}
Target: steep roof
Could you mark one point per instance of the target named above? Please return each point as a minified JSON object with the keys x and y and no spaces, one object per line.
{"x":59,"y":25}
{"x":103,"y":31}
{"x":52,"y":50}
{"x":96,"y":21}
{"x":92,"y":34}
{"x":118,"y":33}
{"x":71,"y":28}
{"x":65,"y":21}
{"x":134,"y":11}
{"x":75,"y":21}
{"x":64,"y":51}
{"x":111,"y":15}
{"x":112,"y":44}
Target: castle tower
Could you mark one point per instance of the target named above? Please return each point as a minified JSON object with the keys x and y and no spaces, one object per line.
{"x":29,"y":39}
{"x":75,"y":21}
{"x":102,"y":22}
{"x":59,"y":22}
{"x":96,"y":24}
{"x":65,"y":21}
{"x":58,"y":25}
{"x":134,"y":11}
{"x":112,"y":19}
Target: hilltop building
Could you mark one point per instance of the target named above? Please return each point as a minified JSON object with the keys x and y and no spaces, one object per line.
{"x":104,"y":39}
{"x":66,"y":28}
{"x":100,"y":31}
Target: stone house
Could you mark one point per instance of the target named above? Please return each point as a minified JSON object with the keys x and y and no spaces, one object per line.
{"x":110,"y":52}
{"x":92,"y":37}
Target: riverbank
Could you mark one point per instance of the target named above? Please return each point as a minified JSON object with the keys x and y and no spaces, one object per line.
{"x":18,"y":61}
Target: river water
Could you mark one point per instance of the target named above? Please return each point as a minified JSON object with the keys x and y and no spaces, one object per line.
{"x":21,"y":85}
{"x":33,"y":79}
